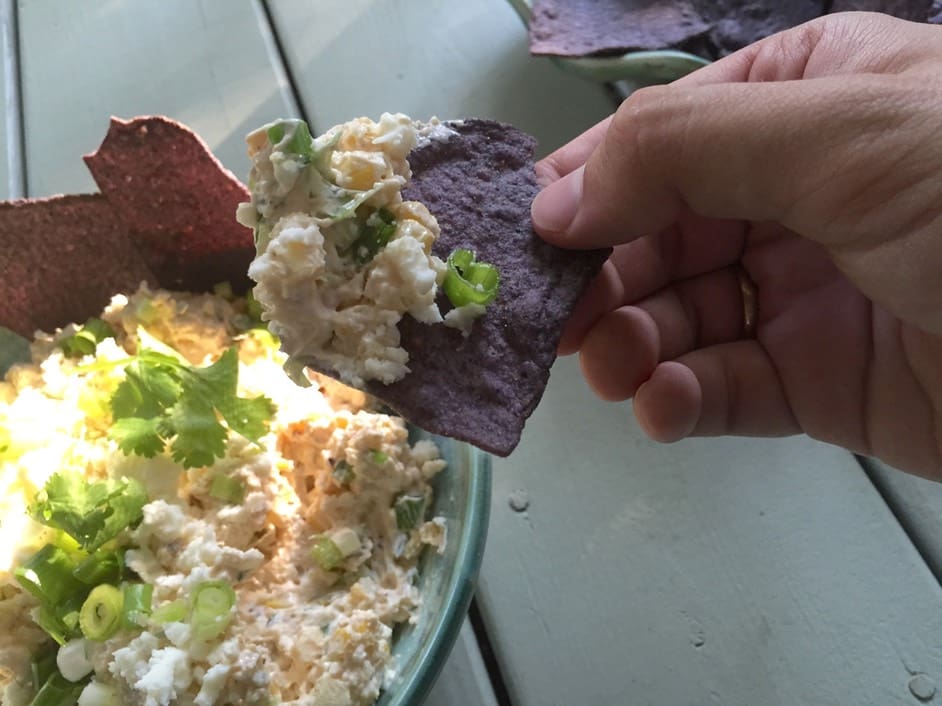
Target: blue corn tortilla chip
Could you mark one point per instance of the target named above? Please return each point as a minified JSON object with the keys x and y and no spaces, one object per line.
{"x":481,"y":389}
{"x":707,"y":28}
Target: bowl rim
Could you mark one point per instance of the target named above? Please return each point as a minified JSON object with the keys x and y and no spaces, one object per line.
{"x":640,"y":67}
{"x":415,"y":686}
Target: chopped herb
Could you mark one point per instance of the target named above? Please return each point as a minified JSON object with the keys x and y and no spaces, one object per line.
{"x":91,"y":512}
{"x":138,"y":599}
{"x":86,"y":339}
{"x":211,"y":606}
{"x":48,"y":575}
{"x":374,"y":235}
{"x":163,"y":401}
{"x":378,"y":457}
{"x":102,"y":612}
{"x":410,"y":509}
{"x":343,"y":472}
{"x":300,"y":142}
{"x":349,"y":209}
{"x":42,"y":667}
{"x":58,"y":691}
{"x":173,"y":612}
{"x":253,"y":308}
{"x":326,"y":553}
{"x":468,"y":281}
{"x":229,"y":490}
{"x":100,"y":567}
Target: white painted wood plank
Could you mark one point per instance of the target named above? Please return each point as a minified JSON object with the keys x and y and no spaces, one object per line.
{"x":917,"y":503}
{"x":11,"y":173}
{"x":211,"y":65}
{"x":205,"y":63}
{"x":735,"y":572}
{"x":464,"y":679}
{"x":434,"y":57}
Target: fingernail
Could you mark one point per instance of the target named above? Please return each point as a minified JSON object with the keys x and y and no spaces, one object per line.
{"x":554,"y":208}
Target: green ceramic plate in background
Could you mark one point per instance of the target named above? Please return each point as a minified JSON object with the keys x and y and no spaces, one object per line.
{"x":638,"y":68}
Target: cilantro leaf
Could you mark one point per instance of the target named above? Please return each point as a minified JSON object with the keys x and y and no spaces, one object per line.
{"x":91,"y":512}
{"x":136,"y":435}
{"x":248,"y":417}
{"x":164,"y":401}
{"x":200,"y":438}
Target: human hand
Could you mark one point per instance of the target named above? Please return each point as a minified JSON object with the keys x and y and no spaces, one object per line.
{"x":810,"y":162}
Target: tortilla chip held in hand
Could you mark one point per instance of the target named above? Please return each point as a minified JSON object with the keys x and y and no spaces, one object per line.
{"x":399,"y":257}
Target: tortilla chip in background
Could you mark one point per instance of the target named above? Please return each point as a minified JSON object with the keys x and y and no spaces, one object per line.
{"x":708,"y":28}
{"x":576,"y":28}
{"x":481,"y":389}
{"x":738,"y":23}
{"x":915,"y":10}
{"x":177,"y":201}
{"x":62,"y":260}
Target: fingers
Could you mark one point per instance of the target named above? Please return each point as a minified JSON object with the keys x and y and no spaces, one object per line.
{"x":713,"y":391}
{"x":757,"y":152}
{"x":623,"y":348}
{"x":637,"y":270}
{"x":571,"y":155}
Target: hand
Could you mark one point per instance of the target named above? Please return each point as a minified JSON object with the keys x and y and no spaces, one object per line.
{"x":809,"y":163}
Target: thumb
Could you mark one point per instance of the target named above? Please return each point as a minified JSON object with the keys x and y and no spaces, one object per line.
{"x":786,"y":151}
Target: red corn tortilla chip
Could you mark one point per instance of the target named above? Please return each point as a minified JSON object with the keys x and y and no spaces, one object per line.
{"x":62,"y":259}
{"x":177,"y":202}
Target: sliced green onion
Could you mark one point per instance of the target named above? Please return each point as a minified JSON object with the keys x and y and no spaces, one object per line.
{"x":100,"y":567}
{"x":58,"y":691}
{"x":374,"y":236}
{"x":173,"y":612}
{"x":42,"y":667}
{"x":326,"y":553}
{"x":379,"y":457}
{"x":138,"y":602}
{"x":409,"y":511}
{"x":86,"y":339}
{"x":301,"y":142}
{"x":102,"y":612}
{"x":54,"y":626}
{"x":48,"y":575}
{"x":229,"y":490}
{"x":343,"y":472}
{"x":211,"y":609}
{"x":468,"y":281}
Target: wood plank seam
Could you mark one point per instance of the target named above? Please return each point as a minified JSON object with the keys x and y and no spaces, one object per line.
{"x":13,"y":138}
{"x":898,"y":511}
{"x":279,"y":61}
{"x":489,"y":657}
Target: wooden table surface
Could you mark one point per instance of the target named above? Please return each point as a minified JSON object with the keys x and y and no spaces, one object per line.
{"x":739,"y":572}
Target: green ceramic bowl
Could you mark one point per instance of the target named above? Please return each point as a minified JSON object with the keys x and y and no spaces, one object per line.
{"x":638,"y":68}
{"x":446,"y":582}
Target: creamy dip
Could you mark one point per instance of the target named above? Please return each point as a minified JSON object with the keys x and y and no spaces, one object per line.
{"x":342,"y":258}
{"x":305,"y":627}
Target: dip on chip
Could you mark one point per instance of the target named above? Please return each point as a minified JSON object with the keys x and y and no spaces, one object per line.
{"x":341,"y":256}
{"x":399,"y":257}
{"x":707,"y":28}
